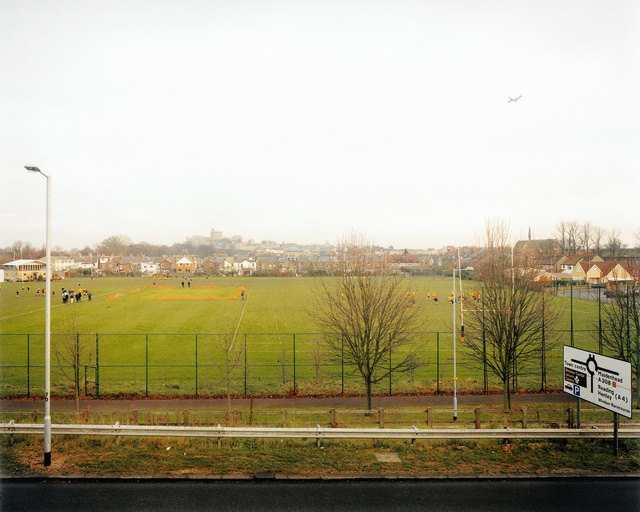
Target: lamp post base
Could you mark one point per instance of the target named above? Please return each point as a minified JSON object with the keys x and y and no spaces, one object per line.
{"x":47,"y":458}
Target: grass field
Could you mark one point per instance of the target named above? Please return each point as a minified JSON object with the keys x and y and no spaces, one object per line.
{"x":164,"y":338}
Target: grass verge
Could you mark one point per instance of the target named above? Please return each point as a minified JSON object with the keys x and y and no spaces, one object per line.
{"x":187,"y":456}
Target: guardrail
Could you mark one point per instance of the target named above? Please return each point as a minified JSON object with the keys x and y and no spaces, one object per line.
{"x":317,"y":433}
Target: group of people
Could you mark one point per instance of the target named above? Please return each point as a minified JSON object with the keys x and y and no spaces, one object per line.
{"x":475,"y":296}
{"x":38,"y":292}
{"x":408,"y":294}
{"x":71,"y":295}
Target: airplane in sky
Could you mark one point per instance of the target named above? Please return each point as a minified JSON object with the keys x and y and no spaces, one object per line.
{"x":513,"y":99}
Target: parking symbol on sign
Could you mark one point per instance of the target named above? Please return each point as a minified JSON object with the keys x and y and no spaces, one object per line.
{"x":576,"y":390}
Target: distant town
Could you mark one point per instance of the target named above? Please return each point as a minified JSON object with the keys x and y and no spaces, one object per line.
{"x":557,"y":259}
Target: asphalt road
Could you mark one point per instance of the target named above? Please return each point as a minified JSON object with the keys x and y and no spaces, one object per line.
{"x":548,"y":495}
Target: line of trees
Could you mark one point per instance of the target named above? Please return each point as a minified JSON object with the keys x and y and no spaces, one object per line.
{"x":369,"y":316}
{"x":574,"y":238}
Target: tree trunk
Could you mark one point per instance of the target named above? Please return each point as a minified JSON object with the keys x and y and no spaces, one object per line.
{"x":506,"y":393}
{"x":368,"y":386}
{"x":76,"y":390}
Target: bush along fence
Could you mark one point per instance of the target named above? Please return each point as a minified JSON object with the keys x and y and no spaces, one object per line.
{"x":256,"y":364}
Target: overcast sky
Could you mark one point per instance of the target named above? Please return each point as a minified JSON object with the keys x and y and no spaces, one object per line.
{"x":298,"y":121}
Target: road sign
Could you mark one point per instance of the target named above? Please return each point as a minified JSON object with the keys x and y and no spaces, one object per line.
{"x":598,"y":379}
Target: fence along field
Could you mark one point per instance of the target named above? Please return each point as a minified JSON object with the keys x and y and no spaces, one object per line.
{"x":142,"y":344}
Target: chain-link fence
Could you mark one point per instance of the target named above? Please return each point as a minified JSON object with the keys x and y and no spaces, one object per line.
{"x":259,"y":364}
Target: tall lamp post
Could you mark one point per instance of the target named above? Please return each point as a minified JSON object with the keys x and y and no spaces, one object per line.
{"x":455,"y":375}
{"x":47,"y":331}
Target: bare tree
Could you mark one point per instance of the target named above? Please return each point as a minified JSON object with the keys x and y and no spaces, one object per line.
{"x":614,"y":244}
{"x":572,"y":236}
{"x":319,"y":356}
{"x":584,"y":236}
{"x":561,"y":235}
{"x":507,"y":327}
{"x":226,"y":351}
{"x":25,"y":250}
{"x":597,"y":238}
{"x":73,"y":348}
{"x":115,"y":245}
{"x":366,"y":314}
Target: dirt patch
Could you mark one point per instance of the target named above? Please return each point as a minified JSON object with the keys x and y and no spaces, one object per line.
{"x":33,"y":462}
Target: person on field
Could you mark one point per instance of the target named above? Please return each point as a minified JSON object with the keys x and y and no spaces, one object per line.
{"x":242,"y":295}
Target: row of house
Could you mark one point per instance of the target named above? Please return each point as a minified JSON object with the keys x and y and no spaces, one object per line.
{"x":588,"y":268}
{"x":270,"y":265}
{"x":189,"y":265}
{"x":591,"y":269}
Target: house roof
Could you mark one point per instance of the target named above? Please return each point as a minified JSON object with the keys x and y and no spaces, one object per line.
{"x":540,"y":245}
{"x":17,"y":263}
{"x":604,"y":266}
{"x":575,"y":258}
{"x":607,"y":266}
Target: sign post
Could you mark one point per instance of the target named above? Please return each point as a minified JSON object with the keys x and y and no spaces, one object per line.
{"x":600,"y":380}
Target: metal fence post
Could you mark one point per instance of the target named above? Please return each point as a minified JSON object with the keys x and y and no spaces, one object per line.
{"x":245,"y":364}
{"x":390,"y":379}
{"x":599,"y":322}
{"x":77,"y":365}
{"x":484,"y":352}
{"x":28,"y":367}
{"x":294,"y":363}
{"x":146,"y":366}
{"x":543,"y":376}
{"x":196,"y":365}
{"x":571,"y":288}
{"x":437,"y":363}
{"x":342,"y":363}
{"x":97,"y":365}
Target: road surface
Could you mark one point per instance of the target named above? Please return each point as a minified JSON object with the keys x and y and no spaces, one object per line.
{"x":509,"y":495}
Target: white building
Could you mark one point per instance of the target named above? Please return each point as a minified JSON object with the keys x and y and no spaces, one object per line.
{"x":149,"y":267}
{"x":62,"y":263}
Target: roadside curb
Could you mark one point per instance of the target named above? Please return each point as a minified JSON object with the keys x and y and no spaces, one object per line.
{"x":272,"y":477}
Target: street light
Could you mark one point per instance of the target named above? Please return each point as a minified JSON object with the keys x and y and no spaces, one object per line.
{"x":47,"y":331}
{"x":455,"y":375}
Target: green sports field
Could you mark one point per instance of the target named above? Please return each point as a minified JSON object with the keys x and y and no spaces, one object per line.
{"x":158,"y":337}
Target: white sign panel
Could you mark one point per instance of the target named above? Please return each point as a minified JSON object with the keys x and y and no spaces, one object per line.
{"x":601,"y":380}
